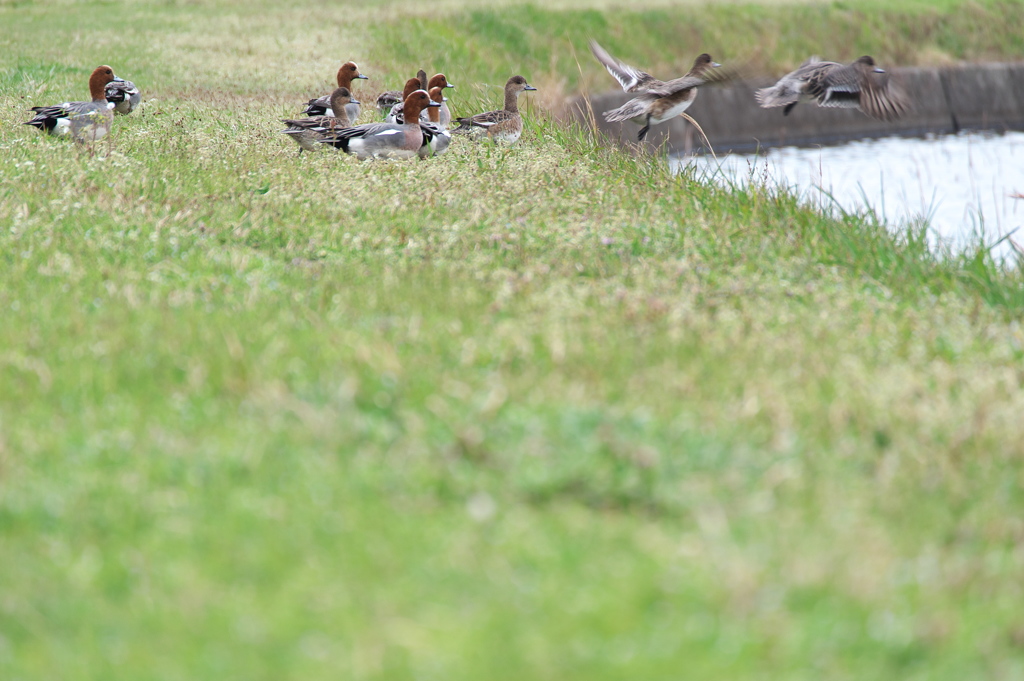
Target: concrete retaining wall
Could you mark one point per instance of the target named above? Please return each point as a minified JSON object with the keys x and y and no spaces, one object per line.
{"x":989,"y":96}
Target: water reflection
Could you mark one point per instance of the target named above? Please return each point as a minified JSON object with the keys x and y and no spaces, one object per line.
{"x":962,"y":184}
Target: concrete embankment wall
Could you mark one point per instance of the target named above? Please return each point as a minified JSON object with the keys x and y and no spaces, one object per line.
{"x":983,"y":96}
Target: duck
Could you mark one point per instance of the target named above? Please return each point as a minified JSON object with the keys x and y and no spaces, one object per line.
{"x":834,"y":85}
{"x":307,"y":132}
{"x":84,"y":121}
{"x":503,"y":125}
{"x":396,"y":114}
{"x":124,"y":95}
{"x":660,"y":100}
{"x":321,"y":106}
{"x":385,"y":140}
{"x":437,"y":81}
{"x":386,"y":101}
{"x":436,"y":137}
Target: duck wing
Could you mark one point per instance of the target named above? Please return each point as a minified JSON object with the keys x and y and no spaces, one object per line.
{"x":318,"y":123}
{"x":318,"y":106}
{"x":886,"y":104}
{"x":850,"y":87}
{"x":823,"y":79}
{"x":676,"y":85}
{"x":63,"y":110}
{"x":630,"y":78}
{"x":485,"y":120}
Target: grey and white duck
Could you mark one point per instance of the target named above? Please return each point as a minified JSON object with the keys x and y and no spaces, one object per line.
{"x":861,"y":85}
{"x":84,"y":121}
{"x":436,"y":137}
{"x":385,"y":140}
{"x":124,"y":96}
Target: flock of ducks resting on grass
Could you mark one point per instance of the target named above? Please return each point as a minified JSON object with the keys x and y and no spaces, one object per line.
{"x":417,"y":120}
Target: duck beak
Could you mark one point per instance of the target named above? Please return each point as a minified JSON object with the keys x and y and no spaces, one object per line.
{"x":715,"y":64}
{"x":118,"y":80}
{"x":354,"y":101}
{"x":878,"y":70}
{"x":444,"y":99}
{"x":529,"y":87}
{"x":433,"y":103}
{"x":449,"y":85}
{"x":361,"y":76}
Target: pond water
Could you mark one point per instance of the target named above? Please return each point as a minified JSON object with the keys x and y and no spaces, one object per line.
{"x":962,"y":185}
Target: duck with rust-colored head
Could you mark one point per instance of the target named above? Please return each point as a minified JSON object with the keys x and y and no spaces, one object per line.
{"x":396,"y":114}
{"x":321,"y":106}
{"x":385,"y":140}
{"x":84,"y":121}
{"x":436,"y":137}
{"x":437,"y":81}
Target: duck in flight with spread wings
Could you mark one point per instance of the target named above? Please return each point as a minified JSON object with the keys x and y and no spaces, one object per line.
{"x":860,"y":85}
{"x":658,"y":100}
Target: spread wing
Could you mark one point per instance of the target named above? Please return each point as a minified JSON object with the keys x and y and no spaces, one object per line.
{"x":676,"y":85}
{"x":630,"y":78}
{"x":839,"y":78}
{"x":882,"y":99}
{"x":848,"y":87}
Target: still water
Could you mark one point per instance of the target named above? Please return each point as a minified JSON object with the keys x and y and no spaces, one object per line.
{"x":962,"y":185}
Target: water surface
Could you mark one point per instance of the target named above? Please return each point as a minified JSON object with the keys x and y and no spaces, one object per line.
{"x":962,"y":185}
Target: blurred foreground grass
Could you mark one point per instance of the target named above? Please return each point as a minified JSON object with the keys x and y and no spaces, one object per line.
{"x":545,"y":412}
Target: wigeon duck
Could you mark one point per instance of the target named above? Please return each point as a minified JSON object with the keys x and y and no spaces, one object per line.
{"x":124,"y":95}
{"x":503,"y":125}
{"x":436,"y":137}
{"x":84,"y":121}
{"x":396,"y":114}
{"x":307,"y":132}
{"x":661,"y":100}
{"x":321,"y":106}
{"x":830,"y":84}
{"x":386,"y":101}
{"x":385,"y":140}
{"x":440,"y":81}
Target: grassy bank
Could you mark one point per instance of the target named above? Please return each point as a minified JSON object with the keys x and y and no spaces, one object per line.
{"x":268,"y":49}
{"x":545,"y":412}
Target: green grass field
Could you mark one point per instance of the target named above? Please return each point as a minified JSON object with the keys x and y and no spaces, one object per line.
{"x":544,"y":412}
